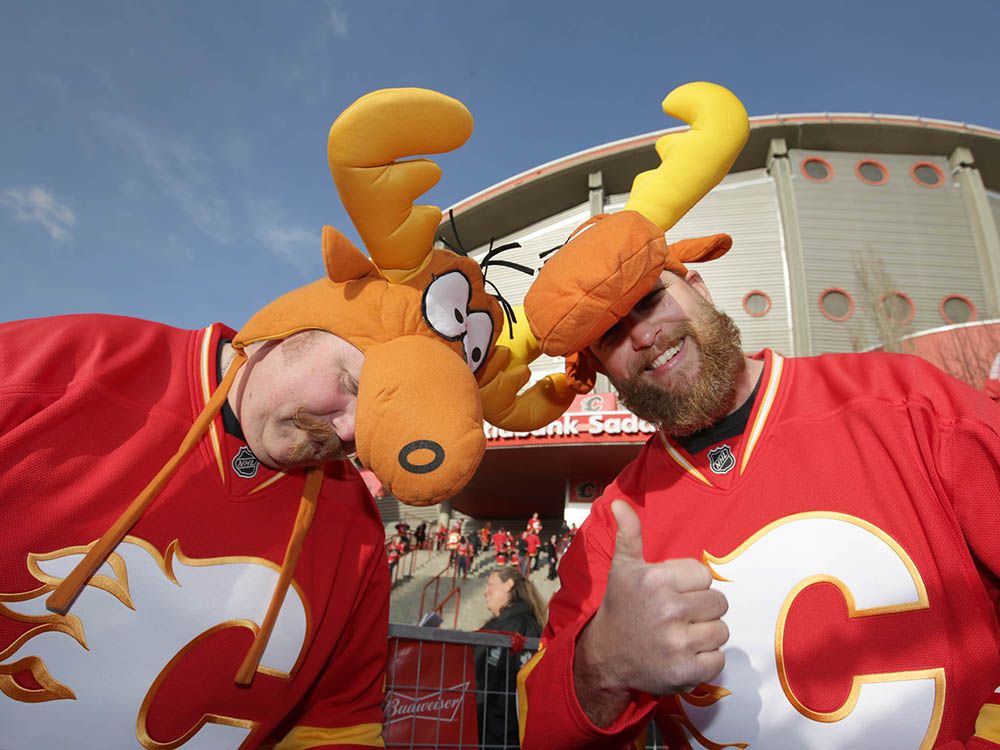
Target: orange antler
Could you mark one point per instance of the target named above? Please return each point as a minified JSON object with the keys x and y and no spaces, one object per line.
{"x":378,"y":191}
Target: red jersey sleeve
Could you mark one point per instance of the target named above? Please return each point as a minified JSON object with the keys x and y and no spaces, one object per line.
{"x":550,"y":713}
{"x":968,"y":461}
{"x":344,"y":709}
{"x":969,"y":466}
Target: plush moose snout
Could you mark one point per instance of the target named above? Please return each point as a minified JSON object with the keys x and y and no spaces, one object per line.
{"x":419,"y":419}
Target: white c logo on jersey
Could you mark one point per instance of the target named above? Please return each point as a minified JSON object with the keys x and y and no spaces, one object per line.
{"x":761,"y":578}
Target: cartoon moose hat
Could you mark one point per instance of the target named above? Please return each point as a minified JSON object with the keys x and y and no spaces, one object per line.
{"x":433,"y":368}
{"x":612,"y":261}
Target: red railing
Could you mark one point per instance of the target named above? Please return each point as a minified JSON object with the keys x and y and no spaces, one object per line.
{"x":455,"y":592}
{"x":412,"y":554}
{"x":436,"y":582}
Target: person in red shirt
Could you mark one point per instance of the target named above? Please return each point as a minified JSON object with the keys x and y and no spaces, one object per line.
{"x":805,"y":554}
{"x":394,"y":550}
{"x":796,"y":526}
{"x":441,"y":536}
{"x":499,"y":539}
{"x":403,"y":530}
{"x":521,"y":545}
{"x":464,"y":556}
{"x":533,"y":543}
{"x":534,"y":524}
{"x":87,"y":401}
{"x":190,"y":557}
{"x":454,"y":538}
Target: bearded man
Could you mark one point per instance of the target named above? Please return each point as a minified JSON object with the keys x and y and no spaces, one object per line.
{"x":840,"y":512}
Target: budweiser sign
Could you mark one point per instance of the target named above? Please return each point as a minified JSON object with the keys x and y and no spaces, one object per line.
{"x":430,"y":696}
{"x":442,"y":705}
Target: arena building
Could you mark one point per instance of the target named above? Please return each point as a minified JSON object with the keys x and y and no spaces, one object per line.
{"x":851,"y":232}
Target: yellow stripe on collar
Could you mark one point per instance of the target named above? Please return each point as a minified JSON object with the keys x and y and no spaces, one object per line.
{"x":770,"y":393}
{"x":683,"y":462}
{"x":207,"y":362}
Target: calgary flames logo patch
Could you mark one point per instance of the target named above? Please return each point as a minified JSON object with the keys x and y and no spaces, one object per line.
{"x":143,"y":619}
{"x":755,"y":702}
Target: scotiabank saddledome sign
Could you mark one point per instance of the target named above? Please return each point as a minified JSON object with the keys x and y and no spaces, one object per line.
{"x":594,"y":418}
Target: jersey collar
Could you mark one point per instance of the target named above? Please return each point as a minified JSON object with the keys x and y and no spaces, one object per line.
{"x":748,"y":442}
{"x":227,"y":450}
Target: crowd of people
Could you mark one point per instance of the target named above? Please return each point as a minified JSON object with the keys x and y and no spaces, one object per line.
{"x":526,"y":551}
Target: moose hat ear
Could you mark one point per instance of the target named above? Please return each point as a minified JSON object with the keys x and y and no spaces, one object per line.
{"x":344,"y":262}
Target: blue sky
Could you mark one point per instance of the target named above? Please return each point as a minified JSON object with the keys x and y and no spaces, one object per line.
{"x":167,"y":160}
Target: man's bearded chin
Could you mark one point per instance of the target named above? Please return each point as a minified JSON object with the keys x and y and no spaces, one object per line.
{"x":320,"y":444}
{"x":687,"y":406}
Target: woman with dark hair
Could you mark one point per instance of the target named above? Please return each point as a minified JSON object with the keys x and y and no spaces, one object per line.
{"x":517,"y":607}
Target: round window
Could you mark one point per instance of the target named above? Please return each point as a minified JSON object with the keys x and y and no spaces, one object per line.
{"x":872,"y":172}
{"x":757,"y":304}
{"x":897,"y":307}
{"x":927,"y":175}
{"x":957,"y":309}
{"x":816,"y":169}
{"x":836,"y":304}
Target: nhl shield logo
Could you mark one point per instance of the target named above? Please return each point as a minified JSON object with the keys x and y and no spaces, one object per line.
{"x":721,"y":460}
{"x":245,"y":463}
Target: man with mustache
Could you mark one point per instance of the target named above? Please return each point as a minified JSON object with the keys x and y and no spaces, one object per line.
{"x":296,"y":398}
{"x":188,"y":558}
{"x":796,"y":527}
{"x":90,"y":405}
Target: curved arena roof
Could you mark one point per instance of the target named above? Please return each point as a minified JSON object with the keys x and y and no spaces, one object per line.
{"x":560,"y":184}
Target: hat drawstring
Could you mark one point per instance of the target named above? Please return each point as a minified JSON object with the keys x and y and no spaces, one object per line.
{"x":66,"y":592}
{"x":307,"y":507}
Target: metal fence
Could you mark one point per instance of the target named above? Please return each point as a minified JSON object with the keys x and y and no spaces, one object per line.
{"x":452,"y":690}
{"x":457,"y":690}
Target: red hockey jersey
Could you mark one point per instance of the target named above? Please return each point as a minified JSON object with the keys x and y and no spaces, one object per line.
{"x":90,"y":408}
{"x":855,"y":531}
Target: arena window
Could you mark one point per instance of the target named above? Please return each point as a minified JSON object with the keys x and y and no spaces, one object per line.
{"x":897,"y":307}
{"x":957,"y":308}
{"x":816,"y":169}
{"x":757,"y":304}
{"x":871,"y":172}
{"x":927,"y":175}
{"x":836,"y":304}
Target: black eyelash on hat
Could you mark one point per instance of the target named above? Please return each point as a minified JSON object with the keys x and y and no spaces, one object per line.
{"x":486,"y":263}
{"x":460,"y":250}
{"x":544,"y":255}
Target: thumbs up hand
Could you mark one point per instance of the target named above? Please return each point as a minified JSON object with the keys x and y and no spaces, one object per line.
{"x":658,"y":629}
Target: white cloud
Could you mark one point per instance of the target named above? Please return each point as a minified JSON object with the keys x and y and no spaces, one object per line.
{"x":338,"y":21}
{"x":38,"y":205}
{"x":180,"y":171}
{"x":297,"y":245}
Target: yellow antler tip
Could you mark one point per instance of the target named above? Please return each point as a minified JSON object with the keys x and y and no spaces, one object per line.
{"x":696,"y":160}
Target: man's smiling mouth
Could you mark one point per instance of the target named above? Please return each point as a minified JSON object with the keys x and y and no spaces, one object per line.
{"x":666,"y":356}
